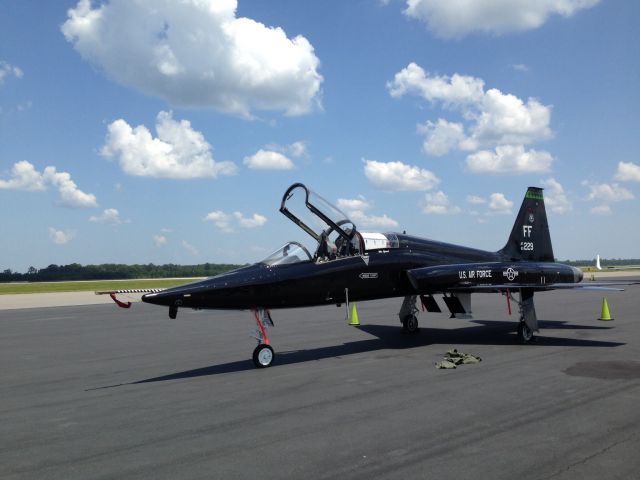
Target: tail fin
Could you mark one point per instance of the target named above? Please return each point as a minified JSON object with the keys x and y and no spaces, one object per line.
{"x":530,"y":239}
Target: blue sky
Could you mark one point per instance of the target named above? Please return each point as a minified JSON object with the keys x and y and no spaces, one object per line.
{"x":160,"y":131}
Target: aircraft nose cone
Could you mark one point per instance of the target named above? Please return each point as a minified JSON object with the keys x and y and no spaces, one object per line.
{"x":157,"y":298}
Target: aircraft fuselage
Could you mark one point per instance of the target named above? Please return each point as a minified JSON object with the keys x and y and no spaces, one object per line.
{"x":376,"y":274}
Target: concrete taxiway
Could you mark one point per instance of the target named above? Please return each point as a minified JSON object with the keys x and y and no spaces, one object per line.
{"x":100,"y":392}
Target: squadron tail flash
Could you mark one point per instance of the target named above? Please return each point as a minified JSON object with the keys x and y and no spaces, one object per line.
{"x":530,"y":238}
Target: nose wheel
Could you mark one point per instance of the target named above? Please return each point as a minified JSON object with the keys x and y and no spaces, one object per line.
{"x":263,"y":356}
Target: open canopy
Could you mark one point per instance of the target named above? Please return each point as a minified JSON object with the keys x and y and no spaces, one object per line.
{"x":314,"y":214}
{"x":334,"y":232}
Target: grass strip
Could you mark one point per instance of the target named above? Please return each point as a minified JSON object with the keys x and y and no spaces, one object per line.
{"x":90,"y":286}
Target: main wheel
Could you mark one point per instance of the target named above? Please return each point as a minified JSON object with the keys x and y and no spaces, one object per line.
{"x":263,"y":356}
{"x":525,"y":334}
{"x":410,"y":324}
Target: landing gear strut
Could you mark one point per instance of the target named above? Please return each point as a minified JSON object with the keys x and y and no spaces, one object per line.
{"x":263,"y":354}
{"x":528,"y":318}
{"x":408,"y":316}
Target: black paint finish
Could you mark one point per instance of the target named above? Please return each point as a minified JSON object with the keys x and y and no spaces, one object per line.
{"x":412,"y":266}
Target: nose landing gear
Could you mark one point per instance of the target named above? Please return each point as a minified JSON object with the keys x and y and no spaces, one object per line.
{"x":263,"y":354}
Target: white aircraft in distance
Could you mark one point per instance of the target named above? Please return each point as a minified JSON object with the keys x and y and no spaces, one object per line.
{"x":625,"y":267}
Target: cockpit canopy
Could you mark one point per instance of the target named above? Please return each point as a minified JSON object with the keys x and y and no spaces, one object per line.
{"x":335,"y":234}
{"x":314,"y":214}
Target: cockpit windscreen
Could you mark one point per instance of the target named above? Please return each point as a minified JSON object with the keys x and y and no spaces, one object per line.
{"x":292,"y":252}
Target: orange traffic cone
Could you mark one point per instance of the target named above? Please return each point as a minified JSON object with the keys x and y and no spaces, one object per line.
{"x":605,"y":316}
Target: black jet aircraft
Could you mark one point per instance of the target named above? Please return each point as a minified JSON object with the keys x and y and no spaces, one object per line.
{"x":348,"y":265}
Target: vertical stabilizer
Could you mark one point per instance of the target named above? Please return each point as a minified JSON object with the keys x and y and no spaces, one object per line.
{"x":530,"y":238}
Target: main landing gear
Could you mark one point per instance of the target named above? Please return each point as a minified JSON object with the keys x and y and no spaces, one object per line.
{"x":408,"y":315}
{"x":525,"y":334}
{"x":528,"y":319}
{"x":263,"y":354}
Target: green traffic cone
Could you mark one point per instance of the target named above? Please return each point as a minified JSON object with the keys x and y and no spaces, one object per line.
{"x":605,"y":316}
{"x":355,"y":321}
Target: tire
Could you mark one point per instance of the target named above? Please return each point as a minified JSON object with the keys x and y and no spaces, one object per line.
{"x":410,"y":324}
{"x":525,"y":334}
{"x":263,"y":356}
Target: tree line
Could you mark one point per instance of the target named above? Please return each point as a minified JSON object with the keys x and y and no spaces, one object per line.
{"x":612,"y":262}
{"x":113,"y":271}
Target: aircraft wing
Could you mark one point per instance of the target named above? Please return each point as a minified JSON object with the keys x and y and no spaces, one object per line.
{"x":606,"y":286}
{"x":503,"y":276}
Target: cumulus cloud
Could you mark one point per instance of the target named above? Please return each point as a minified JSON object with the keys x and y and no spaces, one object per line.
{"x":442,"y":136}
{"x":197,"y":53}
{"x":438,"y":204}
{"x":509,"y":159}
{"x":220,"y":219}
{"x":475,"y":200}
{"x":7,"y":70}
{"x":351,"y":204}
{"x":609,"y":193}
{"x":491,"y":120}
{"x":498,"y":203}
{"x":190,"y":248}
{"x":451,"y":91}
{"x":628,"y":172}
{"x":60,"y":237}
{"x":268,"y":160}
{"x":297,"y":149}
{"x":24,"y":176}
{"x":110,"y":216}
{"x":362,"y":219}
{"x":227,"y":222}
{"x":604,"y":194}
{"x":555,"y":197}
{"x":178,"y":151}
{"x":159,"y":240}
{"x":254,"y":221}
{"x":397,"y":176}
{"x":504,"y":118}
{"x":70,"y":194}
{"x":355,"y":208}
{"x":457,"y":18}
{"x":601,"y":210}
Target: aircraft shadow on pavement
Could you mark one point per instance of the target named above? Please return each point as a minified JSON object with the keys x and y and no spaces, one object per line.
{"x":388,"y":337}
